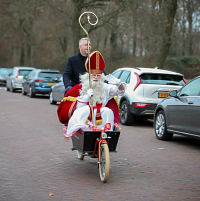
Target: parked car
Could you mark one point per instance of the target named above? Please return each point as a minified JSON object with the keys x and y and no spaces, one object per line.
{"x":179,"y":113}
{"x":40,"y":81}
{"x":57,"y":92}
{"x":4,"y":73}
{"x":146,"y":87}
{"x":14,"y":81}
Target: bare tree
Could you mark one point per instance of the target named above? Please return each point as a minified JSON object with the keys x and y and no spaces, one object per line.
{"x":171,"y":7}
{"x":44,"y":33}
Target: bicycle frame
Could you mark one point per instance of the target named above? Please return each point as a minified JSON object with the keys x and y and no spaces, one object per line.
{"x":98,"y":143}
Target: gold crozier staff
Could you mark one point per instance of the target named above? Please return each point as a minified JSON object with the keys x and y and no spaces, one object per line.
{"x":88,"y":41}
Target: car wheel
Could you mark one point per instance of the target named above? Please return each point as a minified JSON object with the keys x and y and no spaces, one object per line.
{"x":161,"y":128}
{"x":7,"y":89}
{"x":23,"y":92}
{"x":126,"y":118}
{"x":31,"y":94}
{"x":51,"y":100}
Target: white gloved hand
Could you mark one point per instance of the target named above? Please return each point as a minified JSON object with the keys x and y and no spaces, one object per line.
{"x":89,"y":94}
{"x":113,"y":80}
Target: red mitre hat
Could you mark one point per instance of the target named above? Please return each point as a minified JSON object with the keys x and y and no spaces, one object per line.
{"x":97,"y":63}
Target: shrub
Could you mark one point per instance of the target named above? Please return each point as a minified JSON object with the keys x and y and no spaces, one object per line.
{"x":189,"y":66}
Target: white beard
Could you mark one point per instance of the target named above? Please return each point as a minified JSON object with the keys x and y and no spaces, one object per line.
{"x":98,"y":88}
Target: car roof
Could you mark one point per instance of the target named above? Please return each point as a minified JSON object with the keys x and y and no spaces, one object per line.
{"x":5,"y":68}
{"x":141,"y":70}
{"x":47,"y":70}
{"x":24,"y":67}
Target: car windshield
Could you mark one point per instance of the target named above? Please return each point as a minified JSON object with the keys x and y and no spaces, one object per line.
{"x":164,"y":79}
{"x":49,"y":75}
{"x":5,"y":71}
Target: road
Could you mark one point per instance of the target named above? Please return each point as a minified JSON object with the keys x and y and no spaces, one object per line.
{"x":37,"y":163}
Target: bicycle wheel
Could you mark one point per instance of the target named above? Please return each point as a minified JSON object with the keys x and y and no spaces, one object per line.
{"x":80,"y":155}
{"x":104,"y":164}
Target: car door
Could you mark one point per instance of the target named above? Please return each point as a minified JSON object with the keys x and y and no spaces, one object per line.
{"x":28,"y":81}
{"x":8,"y":81}
{"x":183,"y":110}
{"x":195,"y":128}
{"x":59,"y":91}
{"x":179,"y":114}
{"x":10,"y":77}
{"x":195,"y":106}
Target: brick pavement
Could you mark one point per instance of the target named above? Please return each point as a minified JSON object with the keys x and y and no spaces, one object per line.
{"x":35,"y":160}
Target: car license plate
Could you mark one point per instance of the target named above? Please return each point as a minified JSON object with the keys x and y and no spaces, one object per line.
{"x":50,"y":83}
{"x":163,"y":95}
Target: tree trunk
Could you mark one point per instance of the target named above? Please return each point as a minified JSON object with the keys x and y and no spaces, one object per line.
{"x":113,"y":40}
{"x":135,"y":19}
{"x":28,"y":54}
{"x":171,"y":6}
{"x":75,"y":24}
{"x":22,"y":56}
{"x":63,"y":44}
{"x":190,"y":23}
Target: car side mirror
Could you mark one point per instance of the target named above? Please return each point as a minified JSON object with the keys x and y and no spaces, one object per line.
{"x":173,"y":93}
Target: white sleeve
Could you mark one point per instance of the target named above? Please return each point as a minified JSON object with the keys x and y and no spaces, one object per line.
{"x":114,"y":91}
{"x":81,"y":102}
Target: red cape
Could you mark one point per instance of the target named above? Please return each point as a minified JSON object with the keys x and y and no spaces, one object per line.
{"x":68,"y":105}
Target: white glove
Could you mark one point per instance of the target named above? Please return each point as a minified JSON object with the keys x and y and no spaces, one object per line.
{"x":113,"y":80}
{"x":89,"y":94}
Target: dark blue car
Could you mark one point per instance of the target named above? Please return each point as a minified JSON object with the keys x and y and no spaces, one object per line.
{"x":40,"y":82}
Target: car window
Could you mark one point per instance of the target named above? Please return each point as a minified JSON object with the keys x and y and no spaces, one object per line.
{"x":5,"y":71}
{"x":124,"y":76}
{"x":192,"y":89}
{"x":24,"y":72}
{"x":164,"y":79}
{"x":49,"y":75}
{"x":128,"y":79}
{"x":31,"y":74}
{"x":117,"y":73}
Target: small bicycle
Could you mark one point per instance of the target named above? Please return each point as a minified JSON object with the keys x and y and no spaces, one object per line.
{"x":97,"y":144}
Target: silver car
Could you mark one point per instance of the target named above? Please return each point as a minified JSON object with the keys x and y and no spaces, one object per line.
{"x":146,"y":87}
{"x":15,"y":80}
{"x":57,"y":92}
{"x":179,"y":113}
{"x":4,"y":73}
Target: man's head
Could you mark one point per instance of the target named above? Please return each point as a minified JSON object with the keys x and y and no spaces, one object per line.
{"x":95,"y":77}
{"x":83,"y":46}
{"x":97,"y":82}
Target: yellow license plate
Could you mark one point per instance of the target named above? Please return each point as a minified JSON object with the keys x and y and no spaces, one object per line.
{"x":50,"y":83}
{"x":163,"y":95}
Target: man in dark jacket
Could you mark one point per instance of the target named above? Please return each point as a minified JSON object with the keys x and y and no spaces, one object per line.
{"x":76,"y":65}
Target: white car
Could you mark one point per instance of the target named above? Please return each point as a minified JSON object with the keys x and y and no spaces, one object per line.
{"x":15,"y":80}
{"x":146,"y":87}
